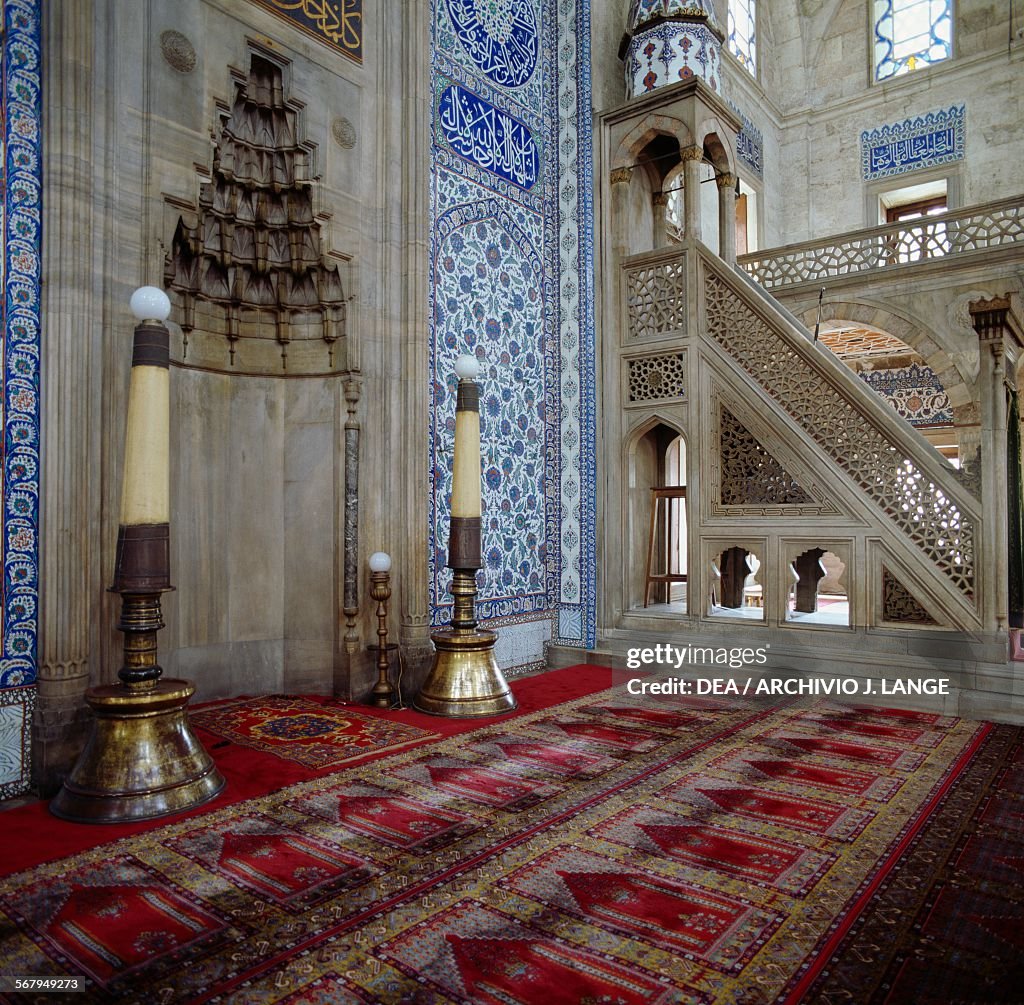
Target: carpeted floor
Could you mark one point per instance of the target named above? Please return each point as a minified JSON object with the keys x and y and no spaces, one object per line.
{"x":314,"y":732}
{"x":594,"y":851}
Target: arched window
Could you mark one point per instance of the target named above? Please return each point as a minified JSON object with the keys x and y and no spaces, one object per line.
{"x":743,"y":32}
{"x":910,"y":34}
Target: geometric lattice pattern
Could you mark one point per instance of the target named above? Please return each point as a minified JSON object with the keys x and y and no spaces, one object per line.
{"x":654,"y":378}
{"x":656,"y":299}
{"x":899,"y":244}
{"x":899,"y":604}
{"x":922,"y":510}
{"x":749,"y":473}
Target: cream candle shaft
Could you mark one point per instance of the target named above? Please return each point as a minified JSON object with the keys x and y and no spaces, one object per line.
{"x":466,"y":467}
{"x":145,"y":496}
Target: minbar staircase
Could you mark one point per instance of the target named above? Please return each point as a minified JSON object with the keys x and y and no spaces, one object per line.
{"x":792,"y":454}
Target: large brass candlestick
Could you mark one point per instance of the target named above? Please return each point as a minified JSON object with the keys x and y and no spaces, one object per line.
{"x":142,"y":759}
{"x":465,"y":680}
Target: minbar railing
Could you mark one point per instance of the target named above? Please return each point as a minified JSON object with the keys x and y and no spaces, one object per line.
{"x":962,"y":232}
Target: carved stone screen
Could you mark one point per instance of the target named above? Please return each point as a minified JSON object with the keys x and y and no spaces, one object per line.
{"x":920,"y":509}
{"x":750,"y":475}
{"x":657,"y":378}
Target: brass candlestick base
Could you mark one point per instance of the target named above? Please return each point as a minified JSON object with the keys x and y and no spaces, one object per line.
{"x":464,"y":680}
{"x":142,"y":759}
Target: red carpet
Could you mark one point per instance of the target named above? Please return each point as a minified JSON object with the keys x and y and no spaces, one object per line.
{"x":599,"y":851}
{"x":315,"y":732}
{"x":31,"y":834}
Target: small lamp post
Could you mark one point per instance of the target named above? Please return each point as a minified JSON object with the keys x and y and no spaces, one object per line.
{"x":382,"y":695}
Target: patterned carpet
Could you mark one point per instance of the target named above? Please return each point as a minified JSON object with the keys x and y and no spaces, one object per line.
{"x":594,"y":852}
{"x":315,"y":734}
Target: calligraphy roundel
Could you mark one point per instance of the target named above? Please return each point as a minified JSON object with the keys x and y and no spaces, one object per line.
{"x":500,"y":37}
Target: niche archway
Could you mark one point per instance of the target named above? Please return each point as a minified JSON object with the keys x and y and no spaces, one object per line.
{"x":655,"y":459}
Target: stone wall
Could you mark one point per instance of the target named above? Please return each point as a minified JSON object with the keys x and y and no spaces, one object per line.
{"x":813,"y":97}
{"x":258,"y":461}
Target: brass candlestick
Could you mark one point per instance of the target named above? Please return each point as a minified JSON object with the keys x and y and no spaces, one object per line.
{"x":142,"y":759}
{"x":465,"y":680}
{"x":383,"y":695}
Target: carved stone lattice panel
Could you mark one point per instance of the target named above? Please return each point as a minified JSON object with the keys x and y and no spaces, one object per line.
{"x":750,"y":474}
{"x":656,"y":299}
{"x":919,"y":508}
{"x":656,"y":378}
{"x":900,"y":605}
{"x":923,"y":240}
{"x":246,"y":273}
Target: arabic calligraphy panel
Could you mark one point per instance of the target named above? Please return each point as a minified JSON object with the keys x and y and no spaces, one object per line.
{"x":925,"y":141}
{"x":336,"y":23}
{"x":479,"y":132}
{"x":500,"y":37}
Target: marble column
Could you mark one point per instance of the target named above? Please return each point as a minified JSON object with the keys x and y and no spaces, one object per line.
{"x":350,"y":557}
{"x":619,"y":179}
{"x":691,"y":158}
{"x":659,"y":209}
{"x":405,"y":349}
{"x":727,"y":217}
{"x":1000,"y":338}
{"x":71,"y":391}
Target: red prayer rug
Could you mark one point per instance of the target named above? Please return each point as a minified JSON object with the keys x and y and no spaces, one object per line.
{"x":567,"y":856}
{"x":315,"y":734}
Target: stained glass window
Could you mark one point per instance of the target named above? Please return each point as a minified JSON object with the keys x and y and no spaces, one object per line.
{"x":910,"y":34}
{"x":742,"y":32}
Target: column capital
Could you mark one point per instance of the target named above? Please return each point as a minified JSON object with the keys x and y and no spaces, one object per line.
{"x":620,"y":174}
{"x":691,"y":153}
{"x":997,"y":323}
{"x":659,"y":198}
{"x":724,"y":181}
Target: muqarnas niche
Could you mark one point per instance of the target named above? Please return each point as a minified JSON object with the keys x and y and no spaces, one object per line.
{"x":250,"y":284}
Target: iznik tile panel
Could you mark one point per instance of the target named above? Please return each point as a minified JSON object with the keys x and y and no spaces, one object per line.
{"x":511,"y":265}
{"x":749,"y":144}
{"x":914,"y":392}
{"x":925,"y":141}
{"x":19,"y":347}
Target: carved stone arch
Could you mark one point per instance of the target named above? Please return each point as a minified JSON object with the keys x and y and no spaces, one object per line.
{"x":640,"y":445}
{"x":908,"y":329}
{"x":644,"y":425}
{"x":720,"y":153}
{"x":628,"y":152}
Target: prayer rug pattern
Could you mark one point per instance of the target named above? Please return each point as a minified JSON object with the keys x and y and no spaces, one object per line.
{"x":314,"y":734}
{"x":657,"y":865}
{"x":945,"y":927}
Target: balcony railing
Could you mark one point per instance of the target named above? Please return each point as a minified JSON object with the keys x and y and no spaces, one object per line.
{"x":979,"y":228}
